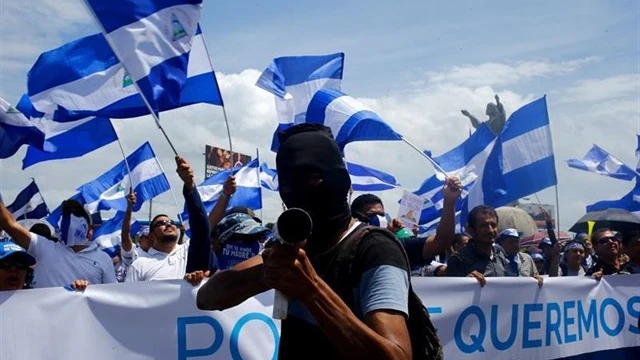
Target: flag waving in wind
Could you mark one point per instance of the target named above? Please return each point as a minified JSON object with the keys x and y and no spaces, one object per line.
{"x":152,"y":39}
{"x":109,"y":191}
{"x":29,"y":204}
{"x":109,"y":235}
{"x":96,"y":84}
{"x":599,"y":161}
{"x":367,"y":179}
{"x":268,"y":177}
{"x":70,"y":139}
{"x":16,"y":130}
{"x":294,"y":80}
{"x":348,"y":119}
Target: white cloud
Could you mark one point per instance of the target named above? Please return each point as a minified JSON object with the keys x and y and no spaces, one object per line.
{"x":598,"y":90}
{"x":493,"y":74}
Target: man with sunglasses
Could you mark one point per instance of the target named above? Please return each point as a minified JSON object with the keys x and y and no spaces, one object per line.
{"x":74,"y":259}
{"x":167,"y":259}
{"x":14,"y":266}
{"x":608,"y":249}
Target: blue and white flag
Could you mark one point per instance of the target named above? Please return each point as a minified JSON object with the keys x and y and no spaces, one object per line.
{"x":466,"y":161}
{"x":630,"y":201}
{"x":349,"y":119}
{"x":247,"y":193}
{"x":368,"y":179}
{"x":109,"y":235}
{"x":268,"y":177}
{"x":599,"y":161}
{"x":294,"y":80}
{"x":152,"y":39}
{"x":16,"y":130}
{"x":70,"y":139}
{"x":110,"y":190}
{"x":96,"y":84}
{"x":29,"y":204}
{"x":522,"y":161}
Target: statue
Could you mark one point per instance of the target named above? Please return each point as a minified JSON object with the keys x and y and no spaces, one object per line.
{"x":497,"y":117}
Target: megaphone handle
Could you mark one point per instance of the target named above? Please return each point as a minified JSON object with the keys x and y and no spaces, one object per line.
{"x":280,"y":305}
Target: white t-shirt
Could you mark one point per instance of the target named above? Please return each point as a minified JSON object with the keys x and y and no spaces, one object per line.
{"x":58,"y":265}
{"x":159,"y":265}
{"x":128,"y":257}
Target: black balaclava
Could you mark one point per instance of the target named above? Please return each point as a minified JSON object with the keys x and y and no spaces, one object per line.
{"x":308,"y":152}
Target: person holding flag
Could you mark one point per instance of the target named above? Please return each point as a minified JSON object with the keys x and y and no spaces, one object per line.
{"x":167,"y":259}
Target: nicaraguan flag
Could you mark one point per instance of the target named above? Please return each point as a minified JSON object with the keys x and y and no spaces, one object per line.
{"x":109,"y":235}
{"x":466,"y":161}
{"x":16,"y":130}
{"x":70,"y":139}
{"x":248,"y":192}
{"x":29,"y":204}
{"x":294,"y":80}
{"x":522,"y":161}
{"x":152,"y":39}
{"x":599,"y":161}
{"x":629,"y":202}
{"x":268,"y":177}
{"x":109,"y":191}
{"x":84,"y":78}
{"x":348,"y":119}
{"x":367,"y":179}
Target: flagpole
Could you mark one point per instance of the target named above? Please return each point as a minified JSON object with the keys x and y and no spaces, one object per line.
{"x":259,"y":184}
{"x":124,"y":156}
{"x":42,"y":197}
{"x":135,"y":82}
{"x":175,"y":200}
{"x":557,"y":211}
{"x":224,"y":111}
{"x":433,"y":162}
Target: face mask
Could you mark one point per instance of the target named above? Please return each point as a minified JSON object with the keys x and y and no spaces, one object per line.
{"x":380,"y":220}
{"x":74,"y":230}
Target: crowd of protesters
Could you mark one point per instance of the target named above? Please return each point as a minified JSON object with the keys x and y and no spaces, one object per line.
{"x":235,"y":250}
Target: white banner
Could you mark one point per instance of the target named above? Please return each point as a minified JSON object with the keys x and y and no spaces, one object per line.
{"x":509,"y":318}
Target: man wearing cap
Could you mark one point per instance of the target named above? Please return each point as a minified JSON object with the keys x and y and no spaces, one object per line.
{"x":520,"y":264}
{"x":129,"y":251}
{"x":573,"y":256}
{"x":237,"y":237}
{"x":538,"y":260}
{"x":14,"y":266}
{"x":551,"y":253}
{"x":74,"y":257}
{"x":167,"y":259}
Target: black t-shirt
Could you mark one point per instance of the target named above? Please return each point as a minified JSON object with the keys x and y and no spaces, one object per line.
{"x":608,"y":269}
{"x":376,"y":254}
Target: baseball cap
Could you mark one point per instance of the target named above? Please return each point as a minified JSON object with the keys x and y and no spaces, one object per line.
{"x":144,"y":231}
{"x":10,"y":249}
{"x":238,"y":224}
{"x":243,"y":210}
{"x":537,"y":257}
{"x":545,"y":242}
{"x":508,"y":233}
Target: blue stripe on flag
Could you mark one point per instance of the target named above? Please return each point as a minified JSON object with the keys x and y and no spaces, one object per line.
{"x":72,"y":61}
{"x":22,"y":207}
{"x":531,"y":116}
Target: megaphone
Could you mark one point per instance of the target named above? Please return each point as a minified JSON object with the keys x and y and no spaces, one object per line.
{"x":292,"y":227}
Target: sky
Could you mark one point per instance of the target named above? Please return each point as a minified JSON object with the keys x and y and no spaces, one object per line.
{"x":416,"y":63}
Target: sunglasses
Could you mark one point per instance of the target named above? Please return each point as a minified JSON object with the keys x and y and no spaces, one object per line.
{"x":11,"y":264}
{"x":606,"y":239}
{"x":164,"y":223}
